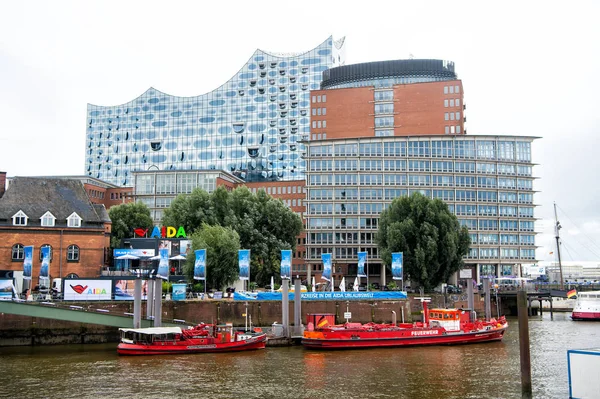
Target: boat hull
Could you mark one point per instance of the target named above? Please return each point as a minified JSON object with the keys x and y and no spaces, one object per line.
{"x":402,"y":338}
{"x":190,"y":347}
{"x":591,"y":316}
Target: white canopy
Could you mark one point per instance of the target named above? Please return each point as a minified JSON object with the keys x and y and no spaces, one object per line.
{"x":153,"y":330}
{"x":127,"y":256}
{"x":178,"y":257}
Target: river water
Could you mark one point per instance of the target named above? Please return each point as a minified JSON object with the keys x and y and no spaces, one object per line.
{"x":469,"y":371}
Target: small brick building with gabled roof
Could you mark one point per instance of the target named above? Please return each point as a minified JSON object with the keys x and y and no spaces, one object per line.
{"x":55,"y":212}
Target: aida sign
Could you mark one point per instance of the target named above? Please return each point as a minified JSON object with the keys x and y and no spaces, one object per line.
{"x":164,"y":232}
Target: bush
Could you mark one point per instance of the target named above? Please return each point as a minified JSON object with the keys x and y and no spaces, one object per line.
{"x":166,"y":286}
{"x":198,"y":287}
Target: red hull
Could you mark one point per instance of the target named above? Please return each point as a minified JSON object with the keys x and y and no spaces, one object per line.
{"x":191,"y":346}
{"x":585,"y":316}
{"x":348,"y":340}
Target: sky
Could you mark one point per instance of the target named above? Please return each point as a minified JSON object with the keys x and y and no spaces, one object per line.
{"x":528,"y":68}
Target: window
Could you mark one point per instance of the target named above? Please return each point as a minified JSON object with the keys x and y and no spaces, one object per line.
{"x":47,"y":219}
{"x":446,"y":103}
{"x":17,"y":252}
{"x":73,"y":253}
{"x":74,"y":220}
{"x":49,"y":252}
{"x":20,"y":219}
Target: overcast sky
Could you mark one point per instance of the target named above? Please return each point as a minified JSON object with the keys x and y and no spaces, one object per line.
{"x":528,"y":68}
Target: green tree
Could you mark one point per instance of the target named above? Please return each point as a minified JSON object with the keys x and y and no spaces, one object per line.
{"x":222,"y":245}
{"x":428,"y":234}
{"x":265,"y":225}
{"x":125,"y":218}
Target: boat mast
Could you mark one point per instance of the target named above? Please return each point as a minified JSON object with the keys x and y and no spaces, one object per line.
{"x":557,"y":227}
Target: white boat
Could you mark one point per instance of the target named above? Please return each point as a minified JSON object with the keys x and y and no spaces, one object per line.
{"x":587,"y":306}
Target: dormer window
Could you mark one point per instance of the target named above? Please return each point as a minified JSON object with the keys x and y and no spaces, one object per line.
{"x":74,"y":220}
{"x":48,"y":220}
{"x":20,"y":219}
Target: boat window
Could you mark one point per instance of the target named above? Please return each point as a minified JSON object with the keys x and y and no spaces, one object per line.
{"x":432,"y":315}
{"x":446,"y":316}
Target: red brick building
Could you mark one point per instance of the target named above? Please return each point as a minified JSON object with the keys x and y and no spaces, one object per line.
{"x":55,"y":212}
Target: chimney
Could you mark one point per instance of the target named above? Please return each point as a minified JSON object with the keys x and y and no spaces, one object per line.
{"x":2,"y":183}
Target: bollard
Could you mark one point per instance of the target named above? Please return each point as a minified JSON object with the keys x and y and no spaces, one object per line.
{"x":526,"y":391}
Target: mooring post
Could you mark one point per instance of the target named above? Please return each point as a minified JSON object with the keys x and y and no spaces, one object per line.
{"x":486,"y":290}
{"x":285,"y":307}
{"x":158,"y":302}
{"x":137,"y":303}
{"x":551,"y":313}
{"x":150,"y":299}
{"x":297,"y":307}
{"x":526,"y":391}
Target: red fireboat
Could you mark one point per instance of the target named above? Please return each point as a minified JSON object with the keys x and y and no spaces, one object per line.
{"x":441,"y":327}
{"x":202,"y":338}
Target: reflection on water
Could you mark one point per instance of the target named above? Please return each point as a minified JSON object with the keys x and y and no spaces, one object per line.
{"x":468,"y":371}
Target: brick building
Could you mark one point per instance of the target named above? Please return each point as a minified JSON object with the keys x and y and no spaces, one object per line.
{"x":57,"y":213}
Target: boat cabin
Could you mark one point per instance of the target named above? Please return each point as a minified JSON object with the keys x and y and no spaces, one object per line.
{"x":450,"y":319}
{"x":149,"y":335}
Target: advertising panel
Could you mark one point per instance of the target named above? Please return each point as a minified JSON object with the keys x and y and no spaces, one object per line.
{"x":163,"y":265}
{"x":140,"y":253}
{"x":286,"y":263}
{"x":326,"y":267}
{"x":397,"y":268}
{"x":200,"y":265}
{"x":244,"y":261}
{"x":125,"y":290}
{"x":88,"y":290}
{"x":45,"y":263}
{"x":362,"y":259}
{"x":6,"y":289}
{"x":322,"y":296}
{"x":27,"y":262}
{"x":178,"y":292}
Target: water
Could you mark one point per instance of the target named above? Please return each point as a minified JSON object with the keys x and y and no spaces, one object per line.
{"x":469,"y":371}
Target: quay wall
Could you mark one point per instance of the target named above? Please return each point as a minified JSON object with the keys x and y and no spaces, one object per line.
{"x":18,"y":330}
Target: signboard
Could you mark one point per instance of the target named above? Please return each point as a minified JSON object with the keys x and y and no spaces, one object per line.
{"x":178,"y":292}
{"x":140,"y":253}
{"x":163,"y":265}
{"x":6,"y":289}
{"x":244,"y":263}
{"x":87,"y":290}
{"x":125,"y":290}
{"x":397,"y":265}
{"x":326,"y":267}
{"x":583,"y":365}
{"x":27,"y":262}
{"x":200,"y":265}
{"x":286,"y":263}
{"x":347,"y":315}
{"x":466,"y":273}
{"x":321,"y":296}
{"x":362,"y":259}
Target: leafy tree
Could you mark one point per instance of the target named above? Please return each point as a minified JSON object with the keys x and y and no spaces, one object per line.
{"x":265,"y":225}
{"x":125,"y":218}
{"x":222,"y":245}
{"x":428,"y":234}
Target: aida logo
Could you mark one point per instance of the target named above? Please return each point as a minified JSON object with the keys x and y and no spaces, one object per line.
{"x":84,"y":290}
{"x":164,"y":232}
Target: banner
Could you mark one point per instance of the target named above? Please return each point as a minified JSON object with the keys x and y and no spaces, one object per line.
{"x":322,"y":296}
{"x":362,"y":259}
{"x":6,"y":289}
{"x":27,"y":262}
{"x":397,"y":267}
{"x":178,"y":292}
{"x":286,"y":263}
{"x":88,"y":290}
{"x":244,"y":262}
{"x":326,"y":267}
{"x":163,"y":265}
{"x":45,"y":262}
{"x":125,"y":290}
{"x":200,"y":265}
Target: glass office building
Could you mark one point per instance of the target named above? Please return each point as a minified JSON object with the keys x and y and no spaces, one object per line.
{"x":249,"y":127}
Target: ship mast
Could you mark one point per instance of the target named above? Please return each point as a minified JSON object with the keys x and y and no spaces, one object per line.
{"x":557,"y":227}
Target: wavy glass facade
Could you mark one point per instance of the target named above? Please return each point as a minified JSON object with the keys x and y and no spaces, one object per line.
{"x":486,"y":181}
{"x":249,"y":127}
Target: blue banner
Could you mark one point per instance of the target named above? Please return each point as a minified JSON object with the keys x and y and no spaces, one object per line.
{"x":322,"y":296}
{"x":326,"y":267}
{"x":244,"y":261}
{"x":397,"y":266}
{"x":45,"y":262}
{"x":27,"y":262}
{"x":286,"y":263}
{"x":178,"y":292}
{"x":362,"y":259}
{"x":163,"y":265}
{"x":200,"y":265}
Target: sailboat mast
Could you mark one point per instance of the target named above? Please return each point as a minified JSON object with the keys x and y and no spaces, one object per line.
{"x":557,"y":227}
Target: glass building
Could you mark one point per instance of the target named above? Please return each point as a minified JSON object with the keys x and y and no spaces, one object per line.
{"x":249,"y":127}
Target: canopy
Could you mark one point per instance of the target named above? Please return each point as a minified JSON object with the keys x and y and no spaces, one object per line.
{"x":153,"y":330}
{"x":127,"y":256}
{"x":156,"y":257}
{"x":178,"y":257}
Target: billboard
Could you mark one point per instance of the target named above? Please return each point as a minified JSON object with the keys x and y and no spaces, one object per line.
{"x":88,"y":290}
{"x":163,"y":265}
{"x":6,"y":289}
{"x":178,"y":292}
{"x":125,"y":290}
{"x":200,"y":265}
{"x":326,"y":267}
{"x":362,"y":259}
{"x":286,"y":263}
{"x":397,"y":265}
{"x":244,"y":261}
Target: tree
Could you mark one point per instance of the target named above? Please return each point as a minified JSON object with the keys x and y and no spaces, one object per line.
{"x":428,"y":234}
{"x":222,"y":245}
{"x":265,"y":225}
{"x":125,"y":218}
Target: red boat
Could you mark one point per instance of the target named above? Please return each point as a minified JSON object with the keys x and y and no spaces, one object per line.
{"x":203,"y":338}
{"x":441,"y":327}
{"x":587,"y":306}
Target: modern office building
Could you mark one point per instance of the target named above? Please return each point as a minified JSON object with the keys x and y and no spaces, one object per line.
{"x":250,"y":126}
{"x":385,"y":130}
